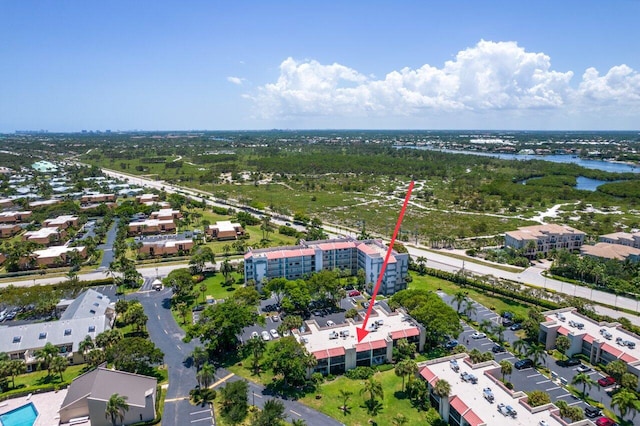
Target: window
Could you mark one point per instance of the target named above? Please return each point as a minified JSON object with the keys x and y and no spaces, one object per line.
{"x":17,"y":339}
{"x":42,"y":335}
{"x":92,"y":328}
{"x":96,"y":304}
{"x":67,"y":332}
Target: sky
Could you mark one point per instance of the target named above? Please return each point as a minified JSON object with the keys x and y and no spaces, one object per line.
{"x":264,"y":64}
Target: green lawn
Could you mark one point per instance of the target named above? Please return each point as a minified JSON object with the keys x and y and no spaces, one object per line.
{"x":394,"y":401}
{"x":38,"y":378}
{"x":495,"y":303}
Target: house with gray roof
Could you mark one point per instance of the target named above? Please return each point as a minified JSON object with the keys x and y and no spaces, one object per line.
{"x":88,"y":395}
{"x":89,"y":314}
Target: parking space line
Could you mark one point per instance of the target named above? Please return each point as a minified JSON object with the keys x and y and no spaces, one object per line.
{"x":200,"y":412}
{"x":553,"y":388}
{"x":575,"y":403}
{"x":201,"y":420}
{"x":488,"y":343}
{"x":297,"y":414}
{"x":544,"y":381}
{"x":562,"y":396}
{"x":534,"y":375}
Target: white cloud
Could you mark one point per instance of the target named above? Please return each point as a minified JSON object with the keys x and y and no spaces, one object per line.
{"x":490,"y":76}
{"x":236,"y":80}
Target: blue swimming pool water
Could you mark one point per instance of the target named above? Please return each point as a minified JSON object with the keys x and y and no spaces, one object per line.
{"x":21,"y":416}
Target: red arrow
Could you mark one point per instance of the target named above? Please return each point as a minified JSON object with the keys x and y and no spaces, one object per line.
{"x":362,"y":332}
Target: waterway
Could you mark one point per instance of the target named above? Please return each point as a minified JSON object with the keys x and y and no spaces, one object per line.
{"x":606,"y":166}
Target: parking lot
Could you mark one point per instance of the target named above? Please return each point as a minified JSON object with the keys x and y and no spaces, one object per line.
{"x":529,"y":379}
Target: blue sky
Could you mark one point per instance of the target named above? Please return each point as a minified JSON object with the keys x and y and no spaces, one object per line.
{"x":161,"y":65}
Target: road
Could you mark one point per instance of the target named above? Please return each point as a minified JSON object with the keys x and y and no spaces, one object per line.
{"x":530,"y":276}
{"x":167,"y":336}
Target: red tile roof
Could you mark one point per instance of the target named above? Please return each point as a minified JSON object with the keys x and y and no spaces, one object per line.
{"x":337,"y":245}
{"x":613,"y":351}
{"x":458,"y":404}
{"x":588,"y":338}
{"x":473,"y":418}
{"x":401,"y":334}
{"x":337,"y":351}
{"x":428,"y":374}
{"x":285,"y":254}
{"x":628,"y":358}
{"x":321,"y":354}
{"x":377,"y":344}
{"x":361,"y":347}
{"x":563,"y":331}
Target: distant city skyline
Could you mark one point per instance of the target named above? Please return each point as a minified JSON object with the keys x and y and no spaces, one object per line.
{"x":251,"y":65}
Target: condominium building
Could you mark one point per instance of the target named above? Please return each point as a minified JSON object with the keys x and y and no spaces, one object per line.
{"x":295,"y":262}
{"x":544,"y":238}
{"x":622,"y":238}
{"x":166,"y":214}
{"x":611,"y":251}
{"x":14,"y":216}
{"x":483,"y":400}
{"x":61,"y":222}
{"x":225,"y":230}
{"x":44,"y":236}
{"x":601,"y":342}
{"x":336,"y":348}
{"x":166,"y":247}
{"x":152,"y":226}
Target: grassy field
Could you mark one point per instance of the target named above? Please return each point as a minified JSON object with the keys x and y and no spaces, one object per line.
{"x":395,"y":402}
{"x":494,"y":303}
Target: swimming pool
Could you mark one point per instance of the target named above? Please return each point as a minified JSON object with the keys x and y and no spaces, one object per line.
{"x":21,"y":416}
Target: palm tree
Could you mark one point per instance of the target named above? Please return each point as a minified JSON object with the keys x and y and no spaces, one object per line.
{"x":257,"y":347}
{"x":345,"y":395}
{"x":506,"y":368}
{"x":15,"y":367}
{"x":499,"y":330}
{"x":203,"y":290}
{"x":226,"y":268}
{"x":373,"y":388}
{"x":469,"y":308}
{"x":59,"y":365}
{"x":298,"y":422}
{"x":442,"y":389}
{"x":404,"y":368}
{"x":116,"y":407}
{"x":199,"y":356}
{"x":537,"y":353}
{"x":46,"y":355}
{"x":520,"y":346}
{"x":626,"y":401}
{"x":458,"y":299}
{"x":86,"y":345}
{"x":583,"y":379}
{"x":206,"y":375}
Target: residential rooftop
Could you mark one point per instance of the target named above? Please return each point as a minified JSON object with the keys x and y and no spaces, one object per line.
{"x":468,"y":400}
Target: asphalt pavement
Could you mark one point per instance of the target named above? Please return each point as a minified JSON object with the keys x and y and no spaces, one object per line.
{"x":107,"y":247}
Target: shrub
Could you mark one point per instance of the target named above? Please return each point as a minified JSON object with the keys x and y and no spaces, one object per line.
{"x":360,"y":373}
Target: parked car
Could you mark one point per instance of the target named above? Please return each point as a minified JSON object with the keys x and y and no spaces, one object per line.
{"x":354,"y":293}
{"x":592,"y":412}
{"x":523,"y":363}
{"x":507,"y":322}
{"x":572,"y":362}
{"x":488,"y":394}
{"x":451,"y":344}
{"x":496,"y":349}
{"x":265,"y":336}
{"x":478,"y":335}
{"x":515,"y":327}
{"x":274,"y":333}
{"x":606,"y":381}
{"x":605,"y":421}
{"x":255,"y":335}
{"x":454,"y":365}
{"x":543,"y":423}
{"x":583,"y":368}
{"x":330,"y":323}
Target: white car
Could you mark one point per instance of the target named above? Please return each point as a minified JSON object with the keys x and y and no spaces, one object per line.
{"x":478,"y":335}
{"x":274,"y":333}
{"x":265,"y":336}
{"x":286,"y":333}
{"x":330,"y":323}
{"x":254,"y":335}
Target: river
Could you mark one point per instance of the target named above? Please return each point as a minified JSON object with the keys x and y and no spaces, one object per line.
{"x":606,"y":166}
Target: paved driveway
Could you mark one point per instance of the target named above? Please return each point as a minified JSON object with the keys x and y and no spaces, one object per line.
{"x":107,"y":247}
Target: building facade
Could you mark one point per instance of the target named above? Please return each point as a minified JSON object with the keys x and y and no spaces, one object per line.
{"x":544,"y":238}
{"x":345,"y":254}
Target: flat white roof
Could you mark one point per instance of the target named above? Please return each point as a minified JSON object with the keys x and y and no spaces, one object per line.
{"x":471,"y":395}
{"x":591,"y":331}
{"x":41,"y":233}
{"x":225,"y":226}
{"x":56,"y":251}
{"x":397,"y":322}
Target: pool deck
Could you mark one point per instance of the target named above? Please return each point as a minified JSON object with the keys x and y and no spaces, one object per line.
{"x":47,"y":404}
